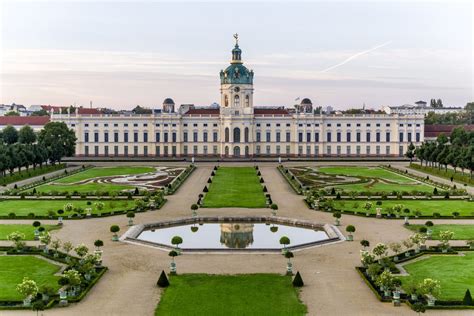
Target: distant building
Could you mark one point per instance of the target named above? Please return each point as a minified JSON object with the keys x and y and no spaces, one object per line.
{"x":433,"y":131}
{"x":237,"y":128}
{"x":35,"y":122}
{"x":420,"y":108}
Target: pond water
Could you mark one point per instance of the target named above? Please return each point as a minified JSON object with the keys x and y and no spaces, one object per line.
{"x":233,"y":235}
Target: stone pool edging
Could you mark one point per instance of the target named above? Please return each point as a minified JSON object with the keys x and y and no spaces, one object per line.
{"x":334,"y":235}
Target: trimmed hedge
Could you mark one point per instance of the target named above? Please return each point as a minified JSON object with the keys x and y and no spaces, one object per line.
{"x":179,"y":180}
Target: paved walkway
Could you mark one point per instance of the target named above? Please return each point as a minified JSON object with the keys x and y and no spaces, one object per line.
{"x":332,"y":286}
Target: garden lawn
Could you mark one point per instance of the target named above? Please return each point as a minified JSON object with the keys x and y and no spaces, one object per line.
{"x":235,"y":187}
{"x":14,"y":267}
{"x":41,"y":207}
{"x":426,"y":207}
{"x":70,"y":183}
{"x":461,"y":232}
{"x":27,"y":230}
{"x":368,"y":172}
{"x":455,"y":273}
{"x":254,"y":294}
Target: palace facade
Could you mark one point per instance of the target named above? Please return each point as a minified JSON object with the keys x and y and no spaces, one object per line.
{"x":237,"y":128}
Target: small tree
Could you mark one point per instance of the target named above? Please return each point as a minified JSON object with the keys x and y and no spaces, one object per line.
{"x":351,"y":230}
{"x":274,"y":208}
{"x":81,"y":250}
{"x":17,"y":239}
{"x":368,"y":206}
{"x":289,"y":266}
{"x":99,"y":206}
{"x":194,"y":208}
{"x":467,"y":300}
{"x":114,"y":229}
{"x":385,"y":281}
{"x":56,"y":244}
{"x":68,"y":207}
{"x":172,"y":254}
{"x":130,"y":216}
{"x":445,"y":237}
{"x":365,"y":243}
{"x":337,"y":215}
{"x":45,"y":239}
{"x":28,"y":289}
{"x":67,"y":247}
{"x":418,"y":308}
{"x":430,"y":287}
{"x":298,"y":280}
{"x":163,"y":280}
{"x":98,"y":243}
{"x":396,"y":248}
{"x":74,"y":279}
{"x":380,"y":250}
{"x":176,"y":240}
{"x":285,"y":241}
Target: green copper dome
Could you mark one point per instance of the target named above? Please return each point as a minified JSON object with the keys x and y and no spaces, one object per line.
{"x":236,"y":73}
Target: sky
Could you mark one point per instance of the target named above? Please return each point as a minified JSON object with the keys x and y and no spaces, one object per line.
{"x":341,"y":53}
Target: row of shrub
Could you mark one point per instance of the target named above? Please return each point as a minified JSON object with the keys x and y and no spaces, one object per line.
{"x":426,"y":179}
{"x":16,"y":189}
{"x":179,"y":180}
{"x":292,"y":180}
{"x":25,"y":174}
{"x":448,"y":174}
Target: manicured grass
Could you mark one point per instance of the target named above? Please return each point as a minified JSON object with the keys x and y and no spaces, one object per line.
{"x":254,"y":294}
{"x":27,"y":230}
{"x":14,"y":268}
{"x":461,"y":232}
{"x":235,"y":187}
{"x":71,"y":183}
{"x":41,"y":207}
{"x":426,"y":207}
{"x":455,"y":273}
{"x":371,"y":172}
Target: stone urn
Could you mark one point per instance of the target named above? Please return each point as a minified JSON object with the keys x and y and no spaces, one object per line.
{"x":173,"y":268}
{"x":62,"y":297}
{"x":379,"y":212}
{"x":289,"y":268}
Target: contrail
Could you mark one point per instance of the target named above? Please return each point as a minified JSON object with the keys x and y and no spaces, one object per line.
{"x":355,"y":56}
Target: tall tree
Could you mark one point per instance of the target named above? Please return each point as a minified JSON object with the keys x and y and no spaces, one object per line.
{"x":439,"y":103}
{"x":410,"y":152}
{"x":26,"y":135}
{"x":10,"y":135}
{"x":58,"y":139}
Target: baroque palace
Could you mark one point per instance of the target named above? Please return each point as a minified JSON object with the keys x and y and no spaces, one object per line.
{"x":237,"y":128}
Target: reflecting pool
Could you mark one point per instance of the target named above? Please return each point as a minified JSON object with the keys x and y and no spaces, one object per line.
{"x":233,"y":235}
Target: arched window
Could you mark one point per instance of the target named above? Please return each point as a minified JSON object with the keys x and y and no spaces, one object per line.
{"x":246,"y":134}
{"x":226,"y":134}
{"x":236,"y":135}
{"x":236,"y":100}
{"x":226,"y":100}
{"x":247,"y":101}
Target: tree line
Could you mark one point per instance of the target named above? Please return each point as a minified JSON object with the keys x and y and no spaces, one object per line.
{"x":457,"y":150}
{"x":458,"y":118}
{"x":24,"y":148}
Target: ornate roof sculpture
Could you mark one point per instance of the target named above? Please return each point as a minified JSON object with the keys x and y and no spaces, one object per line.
{"x":236,"y":73}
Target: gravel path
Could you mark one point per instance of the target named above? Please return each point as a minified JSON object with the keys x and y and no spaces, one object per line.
{"x":332,"y":286}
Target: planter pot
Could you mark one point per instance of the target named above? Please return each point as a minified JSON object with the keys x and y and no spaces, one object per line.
{"x":45,"y":297}
{"x":130,"y":222}
{"x":407,"y":254}
{"x":115,"y":238}
{"x":414,"y":297}
{"x":386,"y":293}
{"x":87,"y":276}
{"x":396,"y":295}
{"x":367,"y":214}
{"x":27,"y":302}
{"x":406,"y":221}
{"x":172,"y":268}
{"x":350,"y":238}
{"x":338,"y":222}
{"x":431,"y":301}
{"x":444,"y":250}
{"x":289,"y":268}
{"x":395,"y":258}
{"x":417,"y":250}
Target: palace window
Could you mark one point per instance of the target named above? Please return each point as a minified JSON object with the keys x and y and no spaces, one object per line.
{"x":236,"y":101}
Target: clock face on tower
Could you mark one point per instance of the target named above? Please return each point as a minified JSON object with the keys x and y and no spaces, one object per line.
{"x":236,"y":89}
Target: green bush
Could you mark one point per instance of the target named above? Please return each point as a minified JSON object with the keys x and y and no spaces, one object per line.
{"x":467,"y":300}
{"x":298,"y":281}
{"x":163,"y":280}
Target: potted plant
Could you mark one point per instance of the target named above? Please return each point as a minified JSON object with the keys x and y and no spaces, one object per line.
{"x":385,"y":282}
{"x":274,"y":208}
{"x":289,"y":266}
{"x":74,"y":281}
{"x":17,"y":239}
{"x":350,"y":229}
{"x":429,"y":231}
{"x":46,"y":292}
{"x":285,"y":241}
{"x":380,"y":251}
{"x":407,"y":244}
{"x":67,"y":247}
{"x":445,"y":237}
{"x":407,"y":215}
{"x":367,"y":206}
{"x":366,"y":258}
{"x":396,"y":283}
{"x":28,"y":289}
{"x":45,"y":239}
{"x":56,"y":244}
{"x":36,"y":225}
{"x":114,"y":229}
{"x":130,"y":216}
{"x":176,"y":241}
{"x":430,"y":288}
{"x":337,"y":215}
{"x":396,"y":248}
{"x":194,"y":208}
{"x":60,"y":217}
{"x":411,"y":289}
{"x":373,"y":270}
{"x":365,"y":243}
{"x":173,"y":254}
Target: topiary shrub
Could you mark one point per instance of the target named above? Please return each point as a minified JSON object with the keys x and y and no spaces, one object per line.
{"x":261,"y":180}
{"x":338,"y":196}
{"x":264,"y":188}
{"x":333,"y":191}
{"x":467,"y":300}
{"x":435,"y":191}
{"x":205,"y":189}
{"x":298,"y":281}
{"x":137,"y":192}
{"x":209,"y":180}
{"x":163,"y":280}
